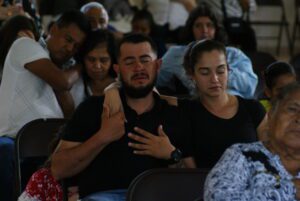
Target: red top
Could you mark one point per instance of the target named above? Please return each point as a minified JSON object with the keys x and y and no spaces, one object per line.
{"x":42,"y":187}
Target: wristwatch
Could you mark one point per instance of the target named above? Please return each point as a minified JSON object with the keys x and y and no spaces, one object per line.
{"x":176,"y":156}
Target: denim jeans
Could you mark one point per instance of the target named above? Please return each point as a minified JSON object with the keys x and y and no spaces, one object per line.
{"x":111,"y":195}
{"x":7,"y":168}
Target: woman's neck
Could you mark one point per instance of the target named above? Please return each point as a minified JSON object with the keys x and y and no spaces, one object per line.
{"x":217,"y":101}
{"x":223,"y":106}
{"x":289,"y":158}
{"x":98,"y":86}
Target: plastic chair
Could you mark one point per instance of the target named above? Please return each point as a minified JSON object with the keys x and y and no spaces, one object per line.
{"x":32,"y":143}
{"x":168,"y":184}
{"x":296,"y":27}
{"x":281,"y":23}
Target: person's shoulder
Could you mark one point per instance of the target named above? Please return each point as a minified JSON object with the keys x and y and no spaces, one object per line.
{"x":93,"y":100}
{"x":27,"y":47}
{"x":233,"y":50}
{"x":91,"y":103}
{"x":164,"y":107}
{"x":246,"y":147}
{"x":176,"y":50}
{"x":25,"y":40}
{"x":249,"y":102}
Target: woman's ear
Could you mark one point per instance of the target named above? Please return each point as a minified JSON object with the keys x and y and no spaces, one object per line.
{"x":116,"y":68}
{"x":268,"y":92}
{"x":53,"y":29}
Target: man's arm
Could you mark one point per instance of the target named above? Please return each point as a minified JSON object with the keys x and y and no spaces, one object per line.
{"x":66,"y":102}
{"x":58,"y":79}
{"x":70,"y":158}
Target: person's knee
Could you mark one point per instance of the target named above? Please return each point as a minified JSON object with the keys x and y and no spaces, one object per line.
{"x":6,"y":148}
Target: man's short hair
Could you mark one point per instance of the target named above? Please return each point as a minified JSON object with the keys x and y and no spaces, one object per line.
{"x":74,"y":17}
{"x":135,"y":39}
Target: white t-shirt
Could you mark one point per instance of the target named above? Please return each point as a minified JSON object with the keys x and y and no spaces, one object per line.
{"x":24,"y":96}
{"x":77,"y":92}
{"x":233,"y":8}
{"x":166,"y":11}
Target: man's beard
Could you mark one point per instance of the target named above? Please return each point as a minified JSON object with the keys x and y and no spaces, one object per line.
{"x":137,"y":92}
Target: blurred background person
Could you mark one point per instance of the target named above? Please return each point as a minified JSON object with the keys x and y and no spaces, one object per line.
{"x":142,"y":22}
{"x":276,"y":76}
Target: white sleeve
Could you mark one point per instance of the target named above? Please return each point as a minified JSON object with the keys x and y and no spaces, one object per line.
{"x":25,"y":50}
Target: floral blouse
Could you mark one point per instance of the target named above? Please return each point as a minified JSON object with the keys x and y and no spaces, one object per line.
{"x":42,"y":187}
{"x":238,"y":176}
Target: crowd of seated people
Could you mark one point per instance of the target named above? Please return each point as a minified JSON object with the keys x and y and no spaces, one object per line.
{"x":203,"y":24}
{"x":122,"y":94}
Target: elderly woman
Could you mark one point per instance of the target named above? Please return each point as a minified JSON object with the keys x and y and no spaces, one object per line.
{"x":266,"y":170}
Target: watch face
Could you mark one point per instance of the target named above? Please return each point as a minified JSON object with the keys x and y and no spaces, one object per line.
{"x":176,"y":155}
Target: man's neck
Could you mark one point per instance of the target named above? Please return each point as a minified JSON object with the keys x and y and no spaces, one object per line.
{"x":141,"y":105}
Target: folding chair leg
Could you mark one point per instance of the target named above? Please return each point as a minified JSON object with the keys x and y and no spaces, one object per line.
{"x":279,"y":39}
{"x":294,"y":37}
{"x":289,"y":41}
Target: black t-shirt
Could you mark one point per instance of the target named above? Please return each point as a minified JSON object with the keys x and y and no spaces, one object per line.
{"x":116,"y":166}
{"x":212,"y":135}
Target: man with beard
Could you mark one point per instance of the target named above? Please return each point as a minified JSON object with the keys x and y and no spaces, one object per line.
{"x":101,"y":151}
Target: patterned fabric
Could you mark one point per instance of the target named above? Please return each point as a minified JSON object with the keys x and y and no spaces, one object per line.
{"x":42,"y":187}
{"x":239,"y":178}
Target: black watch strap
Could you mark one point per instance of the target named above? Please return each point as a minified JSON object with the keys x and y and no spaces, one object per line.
{"x":176,"y":156}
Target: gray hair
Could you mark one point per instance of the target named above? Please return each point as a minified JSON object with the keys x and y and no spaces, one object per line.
{"x":284,"y":93}
{"x":86,"y":7}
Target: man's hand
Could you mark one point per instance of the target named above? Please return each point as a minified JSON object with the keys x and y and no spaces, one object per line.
{"x":158,"y":146}
{"x":112,"y":127}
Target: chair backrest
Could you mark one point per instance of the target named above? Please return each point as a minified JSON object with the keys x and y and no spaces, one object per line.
{"x":269,"y":2}
{"x":33,"y":141}
{"x":168,"y":184}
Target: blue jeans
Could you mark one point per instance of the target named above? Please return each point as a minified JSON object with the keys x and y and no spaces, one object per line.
{"x":112,"y":195}
{"x":7,"y":168}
